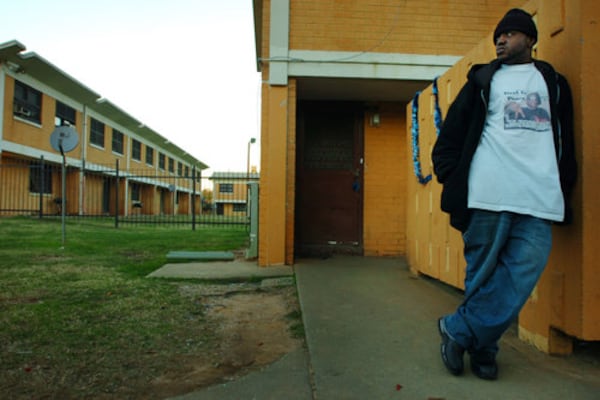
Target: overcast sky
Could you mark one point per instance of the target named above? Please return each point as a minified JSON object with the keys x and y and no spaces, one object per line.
{"x":185,"y":68}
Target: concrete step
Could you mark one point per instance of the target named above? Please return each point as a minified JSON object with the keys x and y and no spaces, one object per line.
{"x":200,"y":256}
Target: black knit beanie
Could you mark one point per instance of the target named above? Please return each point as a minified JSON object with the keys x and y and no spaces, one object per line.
{"x":516,"y":20}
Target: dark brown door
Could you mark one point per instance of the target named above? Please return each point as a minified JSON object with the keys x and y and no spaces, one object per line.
{"x":329,"y":178}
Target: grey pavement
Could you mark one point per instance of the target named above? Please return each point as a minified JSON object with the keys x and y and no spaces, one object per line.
{"x":371,"y":334}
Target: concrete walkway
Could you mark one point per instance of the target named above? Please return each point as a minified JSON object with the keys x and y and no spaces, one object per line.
{"x":371,"y":334}
{"x":220,"y":270}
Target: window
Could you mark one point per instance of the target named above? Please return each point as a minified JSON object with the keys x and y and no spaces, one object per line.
{"x":239,"y":207}
{"x":135,"y":192}
{"x":64,"y":115}
{"x":161,"y":161}
{"x":97,"y":132}
{"x":27,"y":103}
{"x":187,"y":171}
{"x":40,"y":178}
{"x":225,"y":187}
{"x":136,"y":150}
{"x":149,"y":155}
{"x":180,"y":169}
{"x":117,"y":141}
{"x":171,"y":165}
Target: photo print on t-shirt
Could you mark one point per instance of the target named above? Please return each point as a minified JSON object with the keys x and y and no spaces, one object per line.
{"x":524,"y":110}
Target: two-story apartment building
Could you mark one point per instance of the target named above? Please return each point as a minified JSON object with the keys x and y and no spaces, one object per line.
{"x":118,"y":165}
{"x":230,"y":192}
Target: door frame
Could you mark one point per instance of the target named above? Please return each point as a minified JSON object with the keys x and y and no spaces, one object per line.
{"x":357,"y":109}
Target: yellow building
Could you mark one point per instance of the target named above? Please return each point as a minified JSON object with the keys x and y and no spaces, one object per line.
{"x":154,"y":176}
{"x":337,"y":158}
{"x":337,"y":76}
{"x":230,"y":192}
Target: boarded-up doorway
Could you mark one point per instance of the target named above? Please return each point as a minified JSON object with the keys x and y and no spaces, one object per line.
{"x":329,"y":170}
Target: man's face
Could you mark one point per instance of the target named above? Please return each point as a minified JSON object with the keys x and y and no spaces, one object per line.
{"x":514,"y":48}
{"x":532,"y":101}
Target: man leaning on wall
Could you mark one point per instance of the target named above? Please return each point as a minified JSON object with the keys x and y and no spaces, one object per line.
{"x":507,"y":178}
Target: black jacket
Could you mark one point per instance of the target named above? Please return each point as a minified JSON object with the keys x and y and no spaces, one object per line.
{"x":463,"y":126}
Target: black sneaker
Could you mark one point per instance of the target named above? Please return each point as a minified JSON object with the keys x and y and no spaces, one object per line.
{"x":483,"y":364}
{"x":452,"y":352}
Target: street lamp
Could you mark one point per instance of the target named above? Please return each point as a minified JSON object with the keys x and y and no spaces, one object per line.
{"x":252,"y":140}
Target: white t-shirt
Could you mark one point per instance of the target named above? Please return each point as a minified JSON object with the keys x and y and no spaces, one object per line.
{"x":514,"y":167}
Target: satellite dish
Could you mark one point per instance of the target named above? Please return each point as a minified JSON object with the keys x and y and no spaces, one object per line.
{"x":65,"y":137}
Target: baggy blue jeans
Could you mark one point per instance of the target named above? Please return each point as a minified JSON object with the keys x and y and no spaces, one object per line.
{"x":506,"y":254}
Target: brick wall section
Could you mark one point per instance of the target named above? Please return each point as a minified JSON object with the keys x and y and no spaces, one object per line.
{"x":384,"y":229}
{"x":264,"y":140}
{"x":450,"y":27}
{"x":264,"y":181}
{"x":266,"y":29}
{"x":290,"y":209}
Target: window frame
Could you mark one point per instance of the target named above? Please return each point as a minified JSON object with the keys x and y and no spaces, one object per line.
{"x":120,"y":142}
{"x":36,"y":169}
{"x":97,"y":135}
{"x":149,"y":155}
{"x":222,"y":187}
{"x":28,"y":104}
{"x":136,"y":192}
{"x":136,"y":150}
{"x":240,"y":207}
{"x":60,"y":114}
{"x":161,"y":161}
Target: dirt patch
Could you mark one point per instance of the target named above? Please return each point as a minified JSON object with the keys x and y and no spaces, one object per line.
{"x":253,"y":327}
{"x":229,"y":331}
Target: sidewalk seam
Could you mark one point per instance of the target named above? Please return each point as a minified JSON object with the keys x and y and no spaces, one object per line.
{"x":310,"y":369}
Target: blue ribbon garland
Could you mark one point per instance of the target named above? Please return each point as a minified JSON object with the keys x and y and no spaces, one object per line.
{"x":415,"y":141}
{"x":437,"y":117}
{"x":437,"y":112}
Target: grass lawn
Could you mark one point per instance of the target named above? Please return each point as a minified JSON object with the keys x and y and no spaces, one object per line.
{"x":83,"y":321}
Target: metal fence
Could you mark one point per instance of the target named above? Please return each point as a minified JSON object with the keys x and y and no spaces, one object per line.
{"x":126,"y":196}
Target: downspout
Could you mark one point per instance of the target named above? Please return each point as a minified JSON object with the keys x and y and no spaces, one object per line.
{"x":2,"y":97}
{"x":84,"y":136}
{"x":126,"y":177}
{"x":156,"y":192}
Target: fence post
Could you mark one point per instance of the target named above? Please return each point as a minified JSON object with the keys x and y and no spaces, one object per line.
{"x":117,"y":194}
{"x":42,"y":185}
{"x":194,"y":198}
{"x":252,"y":251}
